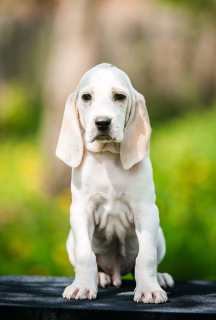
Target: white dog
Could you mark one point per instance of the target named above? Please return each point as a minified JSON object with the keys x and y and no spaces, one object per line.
{"x":114,"y":219}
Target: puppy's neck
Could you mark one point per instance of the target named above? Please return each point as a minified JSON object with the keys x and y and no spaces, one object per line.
{"x":97,"y":146}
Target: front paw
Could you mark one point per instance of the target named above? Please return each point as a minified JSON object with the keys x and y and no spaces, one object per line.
{"x":79,"y":292}
{"x":150,"y":295}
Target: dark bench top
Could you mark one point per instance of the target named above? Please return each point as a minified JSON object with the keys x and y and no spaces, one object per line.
{"x":41,"y":298}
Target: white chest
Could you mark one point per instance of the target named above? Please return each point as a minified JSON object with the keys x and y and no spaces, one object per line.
{"x":111,"y":214}
{"x":109,"y":193}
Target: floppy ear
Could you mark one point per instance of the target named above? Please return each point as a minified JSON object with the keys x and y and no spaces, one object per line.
{"x":135,"y":145}
{"x":70,"y":143}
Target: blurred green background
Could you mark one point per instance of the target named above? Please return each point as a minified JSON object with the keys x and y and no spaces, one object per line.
{"x":168,"y":49}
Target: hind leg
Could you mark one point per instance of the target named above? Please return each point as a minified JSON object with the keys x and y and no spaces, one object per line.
{"x":165,"y":280}
{"x":103,"y":279}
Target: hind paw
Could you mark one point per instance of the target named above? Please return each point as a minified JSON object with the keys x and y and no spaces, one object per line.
{"x":165,"y":280}
{"x":103,"y":279}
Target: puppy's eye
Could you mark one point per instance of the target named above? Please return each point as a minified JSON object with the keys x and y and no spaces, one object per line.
{"x":86,"y":97}
{"x":119,"y":96}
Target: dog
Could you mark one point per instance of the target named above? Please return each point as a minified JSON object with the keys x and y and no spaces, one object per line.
{"x":104,"y":137}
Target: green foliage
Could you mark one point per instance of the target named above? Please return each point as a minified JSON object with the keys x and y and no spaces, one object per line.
{"x":195,"y":6}
{"x":34,"y":228}
{"x":184,"y":163}
{"x":19,"y":109}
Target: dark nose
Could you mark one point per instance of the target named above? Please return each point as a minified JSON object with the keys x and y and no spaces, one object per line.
{"x":102,"y":123}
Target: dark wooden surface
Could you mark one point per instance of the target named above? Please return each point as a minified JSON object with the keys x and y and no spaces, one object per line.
{"x":41,"y":298}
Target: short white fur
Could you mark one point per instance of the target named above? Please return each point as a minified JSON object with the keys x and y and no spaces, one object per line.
{"x":113,"y":215}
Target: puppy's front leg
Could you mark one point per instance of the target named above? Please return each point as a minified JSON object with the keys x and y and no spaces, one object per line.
{"x":147,"y":289}
{"x":85,"y":283}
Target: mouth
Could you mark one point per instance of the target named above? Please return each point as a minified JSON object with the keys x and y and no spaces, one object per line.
{"x":103,"y":137}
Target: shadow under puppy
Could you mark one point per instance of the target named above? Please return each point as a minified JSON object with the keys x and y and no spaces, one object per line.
{"x":114,"y":220}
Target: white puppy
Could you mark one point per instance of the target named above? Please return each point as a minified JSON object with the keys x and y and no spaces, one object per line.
{"x":114,"y":219}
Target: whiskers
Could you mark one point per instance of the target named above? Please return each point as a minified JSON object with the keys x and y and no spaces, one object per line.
{"x":123,"y":128}
{"x":89,"y":137}
{"x":115,"y":133}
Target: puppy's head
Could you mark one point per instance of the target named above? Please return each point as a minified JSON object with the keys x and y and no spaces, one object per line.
{"x":105,"y":108}
{"x":103,"y":96}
